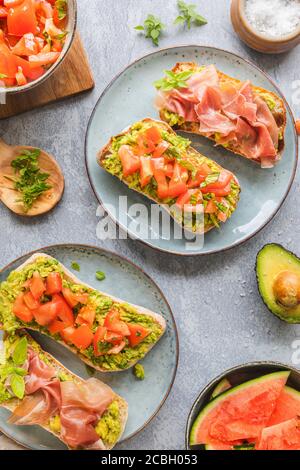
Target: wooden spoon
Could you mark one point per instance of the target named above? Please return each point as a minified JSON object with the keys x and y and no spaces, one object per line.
{"x":9,"y":195}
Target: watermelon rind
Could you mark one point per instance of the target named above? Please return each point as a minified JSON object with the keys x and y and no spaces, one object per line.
{"x":220,"y":388}
{"x":231,"y":392}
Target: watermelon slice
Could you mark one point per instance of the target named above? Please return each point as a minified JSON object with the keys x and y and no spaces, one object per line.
{"x":240,"y":413}
{"x":283,"y":436}
{"x":287,"y":406}
{"x":220,"y":388}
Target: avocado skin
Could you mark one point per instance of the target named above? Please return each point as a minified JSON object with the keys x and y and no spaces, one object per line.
{"x":284,"y":314}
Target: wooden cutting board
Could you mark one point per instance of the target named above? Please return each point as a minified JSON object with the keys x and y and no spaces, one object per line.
{"x":72,"y":77}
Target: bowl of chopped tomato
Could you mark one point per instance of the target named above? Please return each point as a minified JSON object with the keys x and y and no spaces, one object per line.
{"x":35,"y":36}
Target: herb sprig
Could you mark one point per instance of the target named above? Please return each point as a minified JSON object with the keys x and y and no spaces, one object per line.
{"x":152,"y":28}
{"x":188,"y":15}
{"x":30,"y":181}
{"x":173,"y":80}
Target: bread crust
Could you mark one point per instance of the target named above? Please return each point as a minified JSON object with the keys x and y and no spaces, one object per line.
{"x":105,"y":152}
{"x":279,"y":112}
{"x":71,"y":277}
{"x":12,"y":404}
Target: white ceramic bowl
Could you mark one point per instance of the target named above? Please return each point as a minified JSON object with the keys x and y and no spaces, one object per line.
{"x":71,"y":28}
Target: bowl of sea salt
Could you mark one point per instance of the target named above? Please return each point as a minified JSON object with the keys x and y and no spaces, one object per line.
{"x":270,"y":26}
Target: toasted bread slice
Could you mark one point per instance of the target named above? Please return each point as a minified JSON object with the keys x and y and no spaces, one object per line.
{"x":278,"y":110}
{"x":68,"y":276}
{"x":192,"y":157}
{"x":12,"y":403}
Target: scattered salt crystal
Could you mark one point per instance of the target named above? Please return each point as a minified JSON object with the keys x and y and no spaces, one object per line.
{"x":274,"y":18}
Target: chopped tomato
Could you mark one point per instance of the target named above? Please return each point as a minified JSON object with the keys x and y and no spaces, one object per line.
{"x":3,"y":12}
{"x":104,"y":336}
{"x":46,"y":313}
{"x":73,"y":298}
{"x":137,"y":334}
{"x":86,"y":316}
{"x":117,"y":348}
{"x":21,"y":310}
{"x":201,"y":174}
{"x":43,"y":58}
{"x":160,"y":149}
{"x":177,"y":185}
{"x":64,"y":312}
{"x":146,"y":172}
{"x":186,"y":197}
{"x":82,"y":337}
{"x":211,"y":207}
{"x":162,"y":184}
{"x":153,"y":134}
{"x":113,"y":323}
{"x":54,"y":283}
{"x":169,"y":170}
{"x":221,"y":192}
{"x":21,"y":19}
{"x":28,"y":71}
{"x":298,"y":126}
{"x":67,"y":334}
{"x":56,"y":326}
{"x":30,"y":301}
{"x":145,"y":145}
{"x":158,"y":163}
{"x":222,"y":216}
{"x":37,"y":285}
{"x":8,"y":66}
{"x":224,"y":179}
{"x":26,"y":46}
{"x":130,"y":162}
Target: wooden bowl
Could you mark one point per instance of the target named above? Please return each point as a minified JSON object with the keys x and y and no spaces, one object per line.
{"x":71,"y":28}
{"x":256,"y":40}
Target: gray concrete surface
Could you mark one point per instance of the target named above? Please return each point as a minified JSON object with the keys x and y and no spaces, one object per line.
{"x":221,"y":319}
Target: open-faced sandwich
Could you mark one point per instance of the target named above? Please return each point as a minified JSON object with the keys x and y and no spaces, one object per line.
{"x":105,"y":332}
{"x":245,"y":119}
{"x":153,"y":160}
{"x":38,"y":390}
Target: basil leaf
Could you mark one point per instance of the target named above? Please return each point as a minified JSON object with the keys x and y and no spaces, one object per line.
{"x":17,"y":385}
{"x":19,"y":355}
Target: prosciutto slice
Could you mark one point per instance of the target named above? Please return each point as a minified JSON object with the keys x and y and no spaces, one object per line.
{"x":82,"y":406}
{"x":231,"y":110}
{"x":43,"y":396}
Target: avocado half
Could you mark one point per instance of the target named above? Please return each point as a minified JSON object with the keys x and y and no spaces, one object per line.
{"x":271,"y":262}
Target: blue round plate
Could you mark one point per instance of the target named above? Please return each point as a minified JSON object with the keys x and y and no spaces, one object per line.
{"x":126,"y":281}
{"x":130,"y":97}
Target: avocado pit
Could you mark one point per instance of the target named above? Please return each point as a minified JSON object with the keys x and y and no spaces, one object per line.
{"x":286,"y":289}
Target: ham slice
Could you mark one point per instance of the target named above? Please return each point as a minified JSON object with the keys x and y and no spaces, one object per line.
{"x":43,"y":396}
{"x":82,"y":406}
{"x":231,"y":110}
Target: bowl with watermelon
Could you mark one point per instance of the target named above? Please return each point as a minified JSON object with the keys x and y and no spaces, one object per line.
{"x":250,"y":407}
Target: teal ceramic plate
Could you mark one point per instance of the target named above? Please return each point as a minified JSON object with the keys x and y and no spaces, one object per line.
{"x":129,"y":98}
{"x":126,"y":281}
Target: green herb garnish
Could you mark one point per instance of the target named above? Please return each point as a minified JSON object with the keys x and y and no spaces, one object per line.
{"x":75,"y":266}
{"x":19,"y":355}
{"x":211,"y":178}
{"x":173,"y":80}
{"x":100,"y":275}
{"x":152,"y":28}
{"x":17,"y":384}
{"x":62,"y":8}
{"x":189,"y":15}
{"x":31,"y":182}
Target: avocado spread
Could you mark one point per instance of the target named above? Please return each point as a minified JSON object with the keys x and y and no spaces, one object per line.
{"x":278,"y":277}
{"x":180,"y":148}
{"x":139,"y":371}
{"x":13,"y":286}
